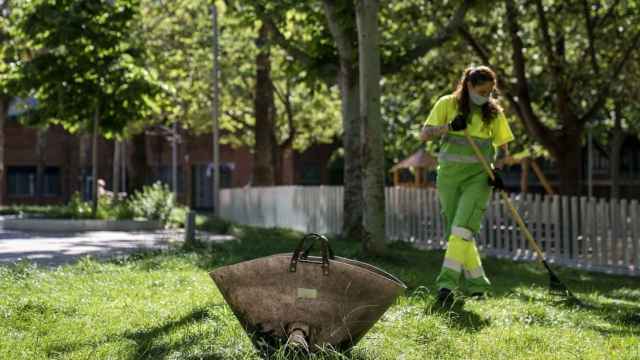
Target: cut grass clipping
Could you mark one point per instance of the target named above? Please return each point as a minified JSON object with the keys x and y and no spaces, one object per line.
{"x":164,"y":305}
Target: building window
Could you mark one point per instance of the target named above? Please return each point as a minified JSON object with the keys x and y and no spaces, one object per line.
{"x":21,"y":181}
{"x":165,"y":176}
{"x":226,"y":171}
{"x":52,"y":181}
{"x":202,"y":183}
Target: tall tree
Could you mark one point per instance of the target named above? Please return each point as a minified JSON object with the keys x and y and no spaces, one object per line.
{"x":263,"y":164}
{"x":340,"y":64}
{"x":178,"y":37}
{"x":5,"y":96}
{"x":340,"y":17}
{"x":372,"y":128}
{"x":623,"y":121}
{"x":79,"y":59}
{"x":548,"y":44}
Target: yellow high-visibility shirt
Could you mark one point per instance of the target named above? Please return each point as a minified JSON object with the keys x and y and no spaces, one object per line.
{"x":446,"y":109}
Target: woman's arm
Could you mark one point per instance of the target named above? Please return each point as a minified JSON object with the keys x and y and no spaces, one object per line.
{"x":429,"y":132}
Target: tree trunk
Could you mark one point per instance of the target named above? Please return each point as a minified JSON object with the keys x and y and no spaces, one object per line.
{"x":615,"y":153}
{"x":41,"y":155}
{"x":353,"y":201}
{"x":287,"y":165}
{"x":186,"y":171}
{"x":372,"y":127}
{"x":524,"y":176}
{"x":137,"y":163}
{"x":4,"y":113}
{"x":83,"y":160}
{"x":174,"y":160}
{"x":123,"y":166}
{"x":283,"y":152}
{"x":94,"y":163}
{"x":115,"y":180}
{"x":156,"y":148}
{"x":263,"y":172}
{"x":570,"y":167}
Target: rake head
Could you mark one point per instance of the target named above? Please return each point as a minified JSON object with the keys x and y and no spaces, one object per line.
{"x":557,"y":287}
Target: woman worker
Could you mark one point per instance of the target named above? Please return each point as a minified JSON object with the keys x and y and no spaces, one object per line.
{"x":462,"y":183}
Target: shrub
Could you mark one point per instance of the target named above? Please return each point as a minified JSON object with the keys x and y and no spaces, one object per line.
{"x":177,"y":217}
{"x":78,"y":208}
{"x":111,"y":209}
{"x":154,"y":202}
{"x":108,"y":209}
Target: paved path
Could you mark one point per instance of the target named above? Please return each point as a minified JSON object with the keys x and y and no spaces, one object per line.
{"x":53,"y":249}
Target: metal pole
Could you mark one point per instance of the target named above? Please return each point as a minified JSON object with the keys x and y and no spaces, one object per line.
{"x":174,"y":160}
{"x":216,"y":110}
{"x":590,"y":162}
{"x":189,"y":228}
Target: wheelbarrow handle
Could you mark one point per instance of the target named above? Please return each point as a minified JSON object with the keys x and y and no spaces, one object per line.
{"x":300,"y":255}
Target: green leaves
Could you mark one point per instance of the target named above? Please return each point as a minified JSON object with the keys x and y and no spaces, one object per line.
{"x":76,"y":55}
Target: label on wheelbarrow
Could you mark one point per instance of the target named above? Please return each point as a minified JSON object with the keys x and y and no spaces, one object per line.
{"x":304,"y":293}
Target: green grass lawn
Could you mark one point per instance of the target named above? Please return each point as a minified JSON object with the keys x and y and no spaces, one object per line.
{"x":164,"y":305}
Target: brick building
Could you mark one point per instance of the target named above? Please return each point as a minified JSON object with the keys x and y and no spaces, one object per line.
{"x":47,"y":167}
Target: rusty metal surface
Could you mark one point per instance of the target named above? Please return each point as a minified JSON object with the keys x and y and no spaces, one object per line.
{"x":339,"y":308}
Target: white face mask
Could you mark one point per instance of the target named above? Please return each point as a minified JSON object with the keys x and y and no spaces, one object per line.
{"x":478,"y":99}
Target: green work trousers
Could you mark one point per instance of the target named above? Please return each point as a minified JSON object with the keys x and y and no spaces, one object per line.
{"x":464,"y":191}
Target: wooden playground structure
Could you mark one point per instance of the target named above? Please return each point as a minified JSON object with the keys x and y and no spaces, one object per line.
{"x":421,"y":162}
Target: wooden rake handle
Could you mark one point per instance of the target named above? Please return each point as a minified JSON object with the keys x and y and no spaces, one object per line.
{"x":506,"y":199}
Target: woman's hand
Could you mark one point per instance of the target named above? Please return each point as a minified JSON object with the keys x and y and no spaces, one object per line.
{"x":429,"y":132}
{"x":496,"y":182}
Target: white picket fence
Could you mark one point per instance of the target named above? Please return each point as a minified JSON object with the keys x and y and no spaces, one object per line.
{"x":597,"y":235}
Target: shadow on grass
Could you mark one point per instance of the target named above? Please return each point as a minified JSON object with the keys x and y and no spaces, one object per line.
{"x":460,"y":318}
{"x":149,"y":348}
{"x":418,"y":269}
{"x":147,"y":341}
{"x":415,"y":267}
{"x":623,"y":318}
{"x":149,"y":344}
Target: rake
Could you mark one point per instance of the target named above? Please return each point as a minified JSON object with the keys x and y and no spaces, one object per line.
{"x":555,"y":285}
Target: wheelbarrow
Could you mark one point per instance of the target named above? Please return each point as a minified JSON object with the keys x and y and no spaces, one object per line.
{"x":307,"y":302}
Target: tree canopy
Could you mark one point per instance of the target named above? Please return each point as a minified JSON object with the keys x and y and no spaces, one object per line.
{"x":78,"y":58}
{"x":562,"y":66}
